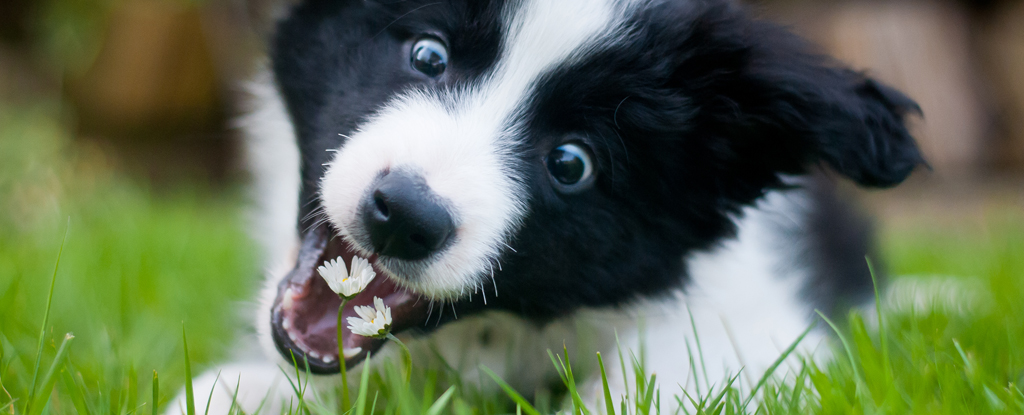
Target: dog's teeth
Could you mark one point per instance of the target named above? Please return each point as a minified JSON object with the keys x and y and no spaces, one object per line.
{"x":314,"y":355}
{"x":293,"y":337}
{"x":288,"y":301}
{"x":287,"y":324}
{"x":328,"y":359}
{"x":350,"y":353}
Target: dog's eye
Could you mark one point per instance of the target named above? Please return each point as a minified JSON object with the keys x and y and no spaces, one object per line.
{"x":430,"y":57}
{"x":571,"y":167}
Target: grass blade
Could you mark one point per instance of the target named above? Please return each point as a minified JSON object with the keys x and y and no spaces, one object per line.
{"x":846,"y":343}
{"x":771,"y":369}
{"x":190,"y":399}
{"x":156,"y":393}
{"x":132,"y":395}
{"x":51,"y":377}
{"x":715,"y":402}
{"x":649,"y":396}
{"x":364,"y":388}
{"x":77,"y":393}
{"x":428,"y":388}
{"x":406,"y":357}
{"x":516,"y":397}
{"x":441,"y":402}
{"x":700,"y":350}
{"x":881,"y":326}
{"x":346,"y":403}
{"x":296,"y":387}
{"x":559,"y":367}
{"x":373,"y":407}
{"x":577,"y":402}
{"x":622,"y":366}
{"x":608,"y":405}
{"x":234,"y":408}
{"x":210,"y":397}
{"x":857,"y":377}
{"x":46,"y":320}
{"x":796,"y":394}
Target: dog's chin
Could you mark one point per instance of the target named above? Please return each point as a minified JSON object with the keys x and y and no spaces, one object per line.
{"x":304,"y":316}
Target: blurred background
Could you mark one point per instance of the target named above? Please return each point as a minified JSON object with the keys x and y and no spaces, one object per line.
{"x":148,"y":82}
{"x":152,"y":84}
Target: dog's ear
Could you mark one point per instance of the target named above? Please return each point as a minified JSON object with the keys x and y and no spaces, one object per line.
{"x":855,"y":124}
{"x":764,"y":85}
{"x":877,"y":150}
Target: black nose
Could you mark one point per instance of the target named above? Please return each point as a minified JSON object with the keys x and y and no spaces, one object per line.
{"x":405,"y":219}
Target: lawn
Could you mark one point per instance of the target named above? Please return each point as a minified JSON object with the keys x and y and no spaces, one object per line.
{"x":138,"y":265}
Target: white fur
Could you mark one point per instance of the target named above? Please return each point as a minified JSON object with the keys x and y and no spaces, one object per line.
{"x":463,"y":143}
{"x":744,"y":299}
{"x":259,"y":386}
{"x":272,"y":160}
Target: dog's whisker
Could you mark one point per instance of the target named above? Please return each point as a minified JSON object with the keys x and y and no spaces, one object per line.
{"x":615,"y":114}
{"x":430,"y":311}
{"x":316,"y":224}
{"x":494,"y":283}
{"x":400,"y":17}
{"x":509,"y":247}
{"x":319,"y":210}
{"x":440,"y":313}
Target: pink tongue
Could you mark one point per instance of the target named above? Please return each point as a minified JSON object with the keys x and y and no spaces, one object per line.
{"x":315,"y":314}
{"x":309,"y":325}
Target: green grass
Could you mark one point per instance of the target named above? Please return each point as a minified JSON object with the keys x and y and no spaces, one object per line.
{"x":135,"y":266}
{"x":138,"y":264}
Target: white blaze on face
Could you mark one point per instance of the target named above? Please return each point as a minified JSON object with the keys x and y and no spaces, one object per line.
{"x":463,"y":142}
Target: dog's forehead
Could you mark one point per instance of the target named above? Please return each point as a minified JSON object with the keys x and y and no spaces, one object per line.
{"x":538,"y":36}
{"x":542,"y":35}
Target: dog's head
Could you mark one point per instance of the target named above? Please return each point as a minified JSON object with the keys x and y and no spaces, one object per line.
{"x":539,"y":156}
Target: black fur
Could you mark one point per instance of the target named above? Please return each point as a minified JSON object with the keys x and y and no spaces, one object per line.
{"x":694,"y":116}
{"x":839,"y":240}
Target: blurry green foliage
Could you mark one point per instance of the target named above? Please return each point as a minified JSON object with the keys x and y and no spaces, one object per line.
{"x":136,"y":264}
{"x":68,"y":34}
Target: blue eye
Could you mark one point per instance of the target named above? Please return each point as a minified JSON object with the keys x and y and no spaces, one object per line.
{"x":430,"y":57}
{"x":571,"y":167}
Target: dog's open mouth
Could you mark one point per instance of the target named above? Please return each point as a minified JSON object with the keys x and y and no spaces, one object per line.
{"x":304,"y":318}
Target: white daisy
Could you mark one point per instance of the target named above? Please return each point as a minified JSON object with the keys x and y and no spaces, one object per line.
{"x":347,"y":284}
{"x":372,"y":321}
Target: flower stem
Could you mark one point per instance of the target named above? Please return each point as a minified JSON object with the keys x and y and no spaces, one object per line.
{"x":406,"y":356}
{"x":345,"y":403}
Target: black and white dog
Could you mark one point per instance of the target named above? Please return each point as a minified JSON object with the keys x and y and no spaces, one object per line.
{"x":529,"y":172}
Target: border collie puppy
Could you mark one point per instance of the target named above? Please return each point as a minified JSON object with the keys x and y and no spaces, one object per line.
{"x":524,"y":174}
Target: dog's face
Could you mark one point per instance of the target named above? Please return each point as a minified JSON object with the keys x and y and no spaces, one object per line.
{"x":538,"y":156}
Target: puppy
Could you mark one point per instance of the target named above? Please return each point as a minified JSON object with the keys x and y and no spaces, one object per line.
{"x":524,"y":174}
